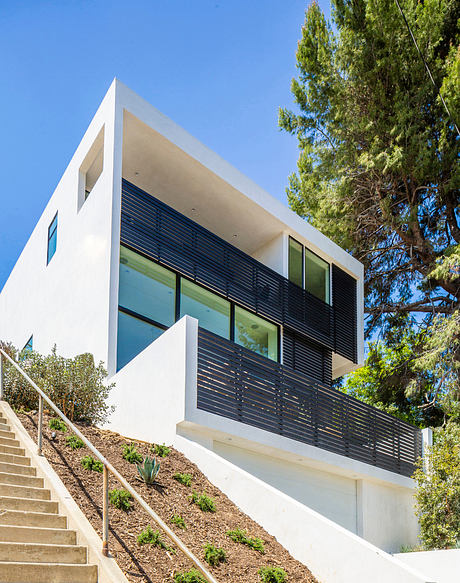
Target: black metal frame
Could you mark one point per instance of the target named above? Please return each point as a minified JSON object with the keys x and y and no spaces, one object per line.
{"x":237,"y":383}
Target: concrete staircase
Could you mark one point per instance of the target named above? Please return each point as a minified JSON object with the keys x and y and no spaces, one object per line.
{"x":35,"y":544}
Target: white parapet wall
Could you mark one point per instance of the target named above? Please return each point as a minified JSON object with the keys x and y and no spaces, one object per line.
{"x":443,"y":566}
{"x":332,"y":553}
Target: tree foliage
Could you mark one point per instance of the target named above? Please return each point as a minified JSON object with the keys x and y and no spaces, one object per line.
{"x":76,"y":385}
{"x":378,"y":169}
{"x":438,"y":491}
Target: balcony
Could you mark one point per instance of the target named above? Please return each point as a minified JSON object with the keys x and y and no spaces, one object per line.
{"x":168,"y":237}
{"x":238,"y":384}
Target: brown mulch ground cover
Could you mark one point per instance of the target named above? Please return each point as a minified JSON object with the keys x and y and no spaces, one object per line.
{"x":148,"y":563}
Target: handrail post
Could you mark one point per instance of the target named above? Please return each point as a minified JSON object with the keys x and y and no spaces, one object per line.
{"x":40,"y":424}
{"x":105,"y":512}
{"x":1,"y":376}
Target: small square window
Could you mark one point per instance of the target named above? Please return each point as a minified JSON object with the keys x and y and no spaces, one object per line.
{"x":52,"y":239}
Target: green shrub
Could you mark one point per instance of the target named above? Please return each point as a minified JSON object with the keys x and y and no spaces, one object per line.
{"x":89,"y":463}
{"x":185,"y":479}
{"x":437,"y":492}
{"x":74,"y":442}
{"x":120,"y":499}
{"x":213,"y":555}
{"x":130,"y":454}
{"x":192,"y":576}
{"x":272,"y":575}
{"x":148,"y":470}
{"x":153,"y":537}
{"x":204,"y":502}
{"x":75,"y":385}
{"x":57,"y":424}
{"x":178,"y":521}
{"x":161,"y":450}
{"x":241,"y":536}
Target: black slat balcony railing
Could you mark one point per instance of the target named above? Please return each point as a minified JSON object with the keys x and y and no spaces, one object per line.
{"x":237,"y":383}
{"x":165,"y":235}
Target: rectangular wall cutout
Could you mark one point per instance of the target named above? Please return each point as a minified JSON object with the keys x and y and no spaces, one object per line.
{"x":91,"y":169}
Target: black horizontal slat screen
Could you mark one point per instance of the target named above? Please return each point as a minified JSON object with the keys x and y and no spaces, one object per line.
{"x":307,"y":357}
{"x":344,"y":301}
{"x":167,"y":236}
{"x":235,"y":382}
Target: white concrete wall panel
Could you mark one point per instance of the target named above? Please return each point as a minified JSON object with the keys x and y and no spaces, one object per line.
{"x":441,"y":566}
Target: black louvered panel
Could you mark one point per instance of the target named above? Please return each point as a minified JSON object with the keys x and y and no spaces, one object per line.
{"x":160,"y":232}
{"x":307,"y":357}
{"x":236,"y":383}
{"x":344,"y":302}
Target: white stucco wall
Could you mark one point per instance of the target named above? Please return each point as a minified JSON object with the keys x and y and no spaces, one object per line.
{"x":149,"y":393}
{"x":334,"y":554}
{"x":274,"y":254}
{"x":66,"y":301}
{"x":329,"y":494}
{"x":441,"y":566}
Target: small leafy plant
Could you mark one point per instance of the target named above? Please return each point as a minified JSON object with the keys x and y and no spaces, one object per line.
{"x":120,"y":499}
{"x":161,"y":450}
{"x":204,"y":502}
{"x":148,"y":471}
{"x":272,"y":575}
{"x":241,"y":536}
{"x":213,"y":555}
{"x":89,"y":463}
{"x":153,"y":537}
{"x":57,"y":424}
{"x":74,"y":442}
{"x":192,"y":576}
{"x":178,"y":521}
{"x":130,"y":454}
{"x":185,"y":479}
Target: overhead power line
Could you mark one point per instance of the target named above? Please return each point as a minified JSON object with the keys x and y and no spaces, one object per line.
{"x":427,"y":67}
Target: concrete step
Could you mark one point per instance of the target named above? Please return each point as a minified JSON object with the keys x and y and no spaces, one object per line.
{"x":42,"y":553}
{"x":34,"y":534}
{"x":20,"y":480}
{"x":8,"y":468}
{"x":9,"y":442}
{"x":7,"y":434}
{"x":4,"y":425}
{"x":26,"y":518}
{"x":27,"y":504}
{"x":24,"y":492}
{"x":14,"y":459}
{"x":12,"y":450}
{"x":47,"y":573}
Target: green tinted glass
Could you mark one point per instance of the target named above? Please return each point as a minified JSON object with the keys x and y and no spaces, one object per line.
{"x":295,"y":262}
{"x":211,"y":311}
{"x":256,"y":333}
{"x":316,"y":276}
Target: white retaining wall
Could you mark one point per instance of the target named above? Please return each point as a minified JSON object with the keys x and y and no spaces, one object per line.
{"x":443,"y":566}
{"x":333,"y":554}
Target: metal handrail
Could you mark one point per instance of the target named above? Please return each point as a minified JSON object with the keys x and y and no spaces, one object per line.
{"x":105,"y":478}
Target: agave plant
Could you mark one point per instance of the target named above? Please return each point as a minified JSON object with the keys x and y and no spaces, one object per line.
{"x":148,"y":470}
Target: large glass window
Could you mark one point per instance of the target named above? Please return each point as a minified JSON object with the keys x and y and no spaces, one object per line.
{"x":147,"y":288}
{"x":316,"y":276}
{"x":256,"y":333}
{"x":52,"y":239}
{"x":133,"y":336}
{"x":295,"y":262}
{"x":211,"y":311}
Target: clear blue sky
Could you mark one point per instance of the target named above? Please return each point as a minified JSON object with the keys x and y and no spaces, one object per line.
{"x":219,"y":68}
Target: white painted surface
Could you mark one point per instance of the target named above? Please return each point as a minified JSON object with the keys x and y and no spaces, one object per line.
{"x":150,"y":390}
{"x":333,"y":554}
{"x":331,"y":495}
{"x":441,"y":566}
{"x":386,"y":515}
{"x":274,"y":254}
{"x":66,"y":302}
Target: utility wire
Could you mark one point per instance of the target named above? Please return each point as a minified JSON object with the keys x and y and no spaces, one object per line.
{"x":427,"y":68}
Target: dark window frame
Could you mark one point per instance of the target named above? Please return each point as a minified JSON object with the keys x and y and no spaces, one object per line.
{"x":304,"y":274}
{"x":51,"y":233}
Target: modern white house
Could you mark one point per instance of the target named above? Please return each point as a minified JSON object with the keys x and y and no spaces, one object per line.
{"x":221,"y":316}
